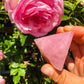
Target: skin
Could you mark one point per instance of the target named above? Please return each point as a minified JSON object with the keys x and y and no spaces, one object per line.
{"x":75,"y":73}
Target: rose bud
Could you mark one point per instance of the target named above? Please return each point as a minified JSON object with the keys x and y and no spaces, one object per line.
{"x":1,"y":55}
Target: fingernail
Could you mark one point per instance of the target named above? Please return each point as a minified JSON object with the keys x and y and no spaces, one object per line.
{"x":48,"y":71}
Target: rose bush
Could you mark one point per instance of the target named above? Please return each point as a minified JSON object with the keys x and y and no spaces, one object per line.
{"x":1,"y":55}
{"x":36,"y":17}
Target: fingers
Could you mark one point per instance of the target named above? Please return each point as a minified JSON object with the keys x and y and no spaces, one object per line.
{"x":82,"y":40}
{"x":69,"y":63}
{"x":81,"y":67}
{"x":63,"y":77}
{"x":75,"y":51}
{"x":78,"y":33}
{"x":48,"y":70}
{"x":60,"y":30}
{"x":78,"y":38}
{"x":77,"y":30}
{"x":82,"y":49}
{"x":76,"y":69}
{"x":64,"y":29}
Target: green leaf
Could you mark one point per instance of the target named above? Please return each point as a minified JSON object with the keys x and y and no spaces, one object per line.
{"x":31,"y":64}
{"x":48,"y":80}
{"x":21,"y":72}
{"x":15,"y":65}
{"x":78,"y":21}
{"x":16,"y":79}
{"x":23,"y":39}
{"x":65,"y":17}
{"x":25,"y":50}
{"x":66,"y":11}
{"x":82,"y":10}
{"x":9,"y":44}
{"x":13,"y":71}
{"x":22,"y":65}
{"x":68,"y":5}
{"x":78,"y":1}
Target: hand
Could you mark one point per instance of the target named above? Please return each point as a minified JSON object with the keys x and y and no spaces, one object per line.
{"x":76,"y":67}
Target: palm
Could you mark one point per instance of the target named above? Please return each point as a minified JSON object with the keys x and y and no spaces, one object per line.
{"x":77,"y":48}
{"x":76,"y":66}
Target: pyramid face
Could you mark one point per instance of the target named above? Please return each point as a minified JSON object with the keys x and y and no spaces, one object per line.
{"x":54,"y":48}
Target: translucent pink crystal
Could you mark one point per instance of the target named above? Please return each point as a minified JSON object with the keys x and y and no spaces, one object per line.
{"x":54,"y":48}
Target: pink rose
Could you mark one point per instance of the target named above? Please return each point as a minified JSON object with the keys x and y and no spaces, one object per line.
{"x":10,"y":6}
{"x":2,"y":81}
{"x":38,"y":17}
{"x":1,"y":55}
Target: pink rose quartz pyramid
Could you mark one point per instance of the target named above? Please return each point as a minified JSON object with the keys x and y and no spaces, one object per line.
{"x":54,"y":48}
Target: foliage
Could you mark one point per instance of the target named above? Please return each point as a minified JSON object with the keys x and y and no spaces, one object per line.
{"x":3,"y":15}
{"x":73,"y":12}
{"x":22,"y":58}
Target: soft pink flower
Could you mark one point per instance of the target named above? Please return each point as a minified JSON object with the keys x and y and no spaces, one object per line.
{"x":10,"y":6}
{"x":38,"y":17}
{"x":1,"y":55}
{"x":2,"y":81}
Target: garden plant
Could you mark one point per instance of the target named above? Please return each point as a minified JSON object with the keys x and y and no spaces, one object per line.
{"x":20,"y":58}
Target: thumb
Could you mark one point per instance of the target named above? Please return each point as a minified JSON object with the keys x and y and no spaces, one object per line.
{"x":63,"y":77}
